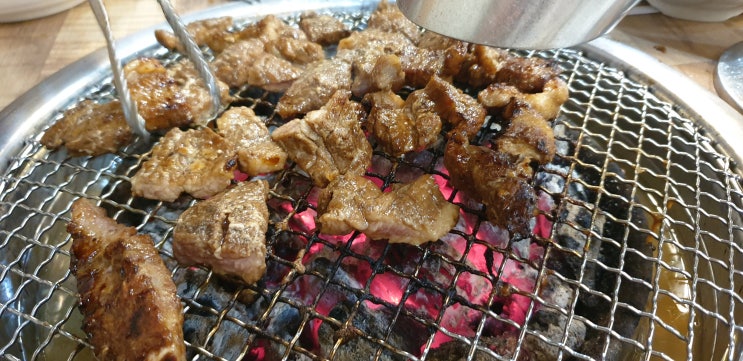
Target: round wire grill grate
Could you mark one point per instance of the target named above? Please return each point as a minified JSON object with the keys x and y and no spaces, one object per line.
{"x":643,"y":262}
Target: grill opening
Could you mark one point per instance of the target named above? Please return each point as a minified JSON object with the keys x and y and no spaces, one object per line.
{"x":636,"y":252}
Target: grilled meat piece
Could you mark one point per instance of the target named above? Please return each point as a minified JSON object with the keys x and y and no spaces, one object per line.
{"x":371,"y":54}
{"x":297,"y":51}
{"x":401,"y":126}
{"x":498,"y":180}
{"x":213,"y":33}
{"x":198,"y":162}
{"x":389,"y":18}
{"x":169,"y":97}
{"x":414,"y":124}
{"x":413,"y":213}
{"x":481,"y":64}
{"x":328,"y":142}
{"x":527,"y":134}
{"x":314,"y":87}
{"x":226,"y":232}
{"x":283,"y":40}
{"x":458,"y":109}
{"x":247,"y":63}
{"x":90,"y":129}
{"x":256,"y":151}
{"x":322,"y":29}
{"x":532,"y":80}
{"x":270,"y":28}
{"x":129,"y":303}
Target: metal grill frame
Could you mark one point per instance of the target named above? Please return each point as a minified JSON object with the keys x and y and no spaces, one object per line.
{"x":699,"y":130}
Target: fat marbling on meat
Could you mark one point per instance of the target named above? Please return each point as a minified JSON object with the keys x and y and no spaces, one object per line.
{"x":226,"y":232}
{"x":412,"y":213}
{"x":128,"y":300}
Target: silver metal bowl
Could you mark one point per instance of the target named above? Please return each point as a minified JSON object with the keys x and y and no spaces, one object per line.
{"x":518,"y":24}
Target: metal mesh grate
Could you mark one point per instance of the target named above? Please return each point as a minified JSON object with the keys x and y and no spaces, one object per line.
{"x":642,"y":208}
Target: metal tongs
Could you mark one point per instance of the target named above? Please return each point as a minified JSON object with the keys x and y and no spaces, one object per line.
{"x":135,"y":121}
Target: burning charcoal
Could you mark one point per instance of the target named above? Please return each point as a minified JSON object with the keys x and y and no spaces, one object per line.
{"x":408,"y":335}
{"x":283,"y":321}
{"x":551,"y":324}
{"x":503,"y":345}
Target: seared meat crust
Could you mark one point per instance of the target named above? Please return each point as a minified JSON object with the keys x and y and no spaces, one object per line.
{"x":169,"y":97}
{"x":323,"y":29}
{"x":130,"y":307}
{"x":314,"y":87}
{"x":256,"y":151}
{"x":496,"y":179}
{"x":413,"y":213}
{"x":198,"y":162}
{"x":90,"y":129}
{"x":226,"y":232}
{"x":214,"y":33}
{"x":328,"y":142}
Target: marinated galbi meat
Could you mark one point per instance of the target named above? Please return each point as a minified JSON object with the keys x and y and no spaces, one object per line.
{"x":130,"y":307}
{"x":198,"y":162}
{"x":256,"y":151}
{"x":90,"y":129}
{"x":328,"y":142}
{"x":413,"y":213}
{"x":226,"y":232}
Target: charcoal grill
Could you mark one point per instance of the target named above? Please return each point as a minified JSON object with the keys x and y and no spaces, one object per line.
{"x":639,"y":257}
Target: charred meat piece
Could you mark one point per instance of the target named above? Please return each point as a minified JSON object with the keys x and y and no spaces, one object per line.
{"x":130,"y":307}
{"x":322,"y":29}
{"x":532,"y":80}
{"x":389,"y":18}
{"x":90,"y":129}
{"x":527,"y":134}
{"x":198,"y":162}
{"x":226,"y":232}
{"x":328,"y":142}
{"x":413,"y":213}
{"x":169,"y":97}
{"x":248,"y":63}
{"x":401,"y":126}
{"x":256,"y":151}
{"x":480,"y":65}
{"x":458,"y":109}
{"x":498,"y":180}
{"x":414,"y":124}
{"x":213,"y":33}
{"x":314,"y":87}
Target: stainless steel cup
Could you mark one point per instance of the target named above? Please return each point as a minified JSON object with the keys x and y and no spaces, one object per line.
{"x":518,"y":24}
